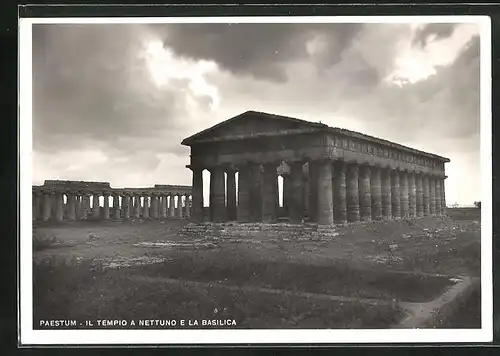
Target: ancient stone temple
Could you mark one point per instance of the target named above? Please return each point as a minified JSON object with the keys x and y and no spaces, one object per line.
{"x":330,"y":175}
{"x":61,"y":200}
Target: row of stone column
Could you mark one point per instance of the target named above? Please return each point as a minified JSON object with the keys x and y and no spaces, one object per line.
{"x":338,"y":192}
{"x":50,"y":206}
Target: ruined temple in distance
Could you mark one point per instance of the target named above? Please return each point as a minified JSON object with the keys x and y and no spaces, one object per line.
{"x":333,"y":175}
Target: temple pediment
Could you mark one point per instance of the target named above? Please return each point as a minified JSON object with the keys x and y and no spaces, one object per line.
{"x":252,"y":124}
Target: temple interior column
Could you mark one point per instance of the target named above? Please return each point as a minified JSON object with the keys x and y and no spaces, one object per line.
{"x":365,"y":197}
{"x":420,"y":194}
{"x":95,"y":206}
{"x":426,"y":194}
{"x":231,"y":194}
{"x":405,"y":204}
{"x":217,"y":194}
{"x":47,"y":206}
{"x":352,"y":192}
{"x":105,"y":209}
{"x":269,"y":193}
{"x":432,"y":195}
{"x":163,"y":206}
{"x":154,"y":206}
{"x":116,"y":206}
{"x":256,"y":191}
{"x":386,"y":193}
{"x":59,"y":206}
{"x":126,"y":205}
{"x":313,"y":191}
{"x":186,"y":206}
{"x":376,"y":193}
{"x":137,"y":206}
{"x":412,"y":196}
{"x":71,"y":206}
{"x":339,"y":192}
{"x":324,"y":192}
{"x":197,"y":191}
{"x":438,"y":195}
{"x":286,"y":193}
{"x":171,"y":206}
{"x":145,"y":206}
{"x":85,"y":205}
{"x":244,"y":193}
{"x":395,"y":194}
{"x":296,"y":194}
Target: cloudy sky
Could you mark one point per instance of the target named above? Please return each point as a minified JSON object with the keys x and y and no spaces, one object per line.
{"x":112,"y":102}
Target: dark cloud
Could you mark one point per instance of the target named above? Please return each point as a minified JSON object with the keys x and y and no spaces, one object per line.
{"x":260,"y":50}
{"x":438,"y":30}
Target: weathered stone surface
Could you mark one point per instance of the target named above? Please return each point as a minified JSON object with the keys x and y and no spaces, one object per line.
{"x":365,"y":197}
{"x":340,"y":193}
{"x":376,"y":193}
{"x":352,"y":193}
{"x":325,"y":193}
{"x":395,"y":194}
{"x":386,"y":194}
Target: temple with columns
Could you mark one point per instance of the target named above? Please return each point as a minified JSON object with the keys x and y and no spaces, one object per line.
{"x":330,"y":175}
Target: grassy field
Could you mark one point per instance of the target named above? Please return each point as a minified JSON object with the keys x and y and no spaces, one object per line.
{"x":87,"y":270}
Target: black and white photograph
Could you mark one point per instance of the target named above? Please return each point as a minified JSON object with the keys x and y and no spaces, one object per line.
{"x":255,"y":180}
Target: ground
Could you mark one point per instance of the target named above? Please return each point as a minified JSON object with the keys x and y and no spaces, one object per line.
{"x":360,"y":278}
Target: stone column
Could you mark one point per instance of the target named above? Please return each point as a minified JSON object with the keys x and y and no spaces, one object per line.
{"x":85,"y":205}
{"x":59,"y":206}
{"x":154,"y":206}
{"x":171,"y":206}
{"x":197,"y":191}
{"x":352,"y":192}
{"x":145,"y":206}
{"x":116,"y":206}
{"x":47,"y":206}
{"x":244,"y":193}
{"x":178,"y":209}
{"x":71,"y":206}
{"x":376,"y":193}
{"x":426,"y":194}
{"x":365,"y":196}
{"x":256,"y":192}
{"x":432,"y":195}
{"x":420,"y":195}
{"x":286,"y":192}
{"x":105,"y":210}
{"x":231,"y":214}
{"x":395,"y":194}
{"x":324,"y":192}
{"x":386,"y":193}
{"x":313,"y":191}
{"x":187,"y":212}
{"x":126,"y":205}
{"x":95,"y":207}
{"x":443,"y":196}
{"x":405,"y":204}
{"x":339,"y":192}
{"x":412,"y":196}
{"x":296,"y":195}
{"x":438,"y":195}
{"x":39,"y":205}
{"x":269,"y":193}
{"x":137,"y":206}
{"x":217,"y":194}
{"x":163,"y":206}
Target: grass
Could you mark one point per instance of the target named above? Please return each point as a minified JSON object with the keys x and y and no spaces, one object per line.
{"x":84,"y":291}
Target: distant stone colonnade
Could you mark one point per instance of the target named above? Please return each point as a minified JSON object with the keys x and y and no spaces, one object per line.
{"x":83,"y":201}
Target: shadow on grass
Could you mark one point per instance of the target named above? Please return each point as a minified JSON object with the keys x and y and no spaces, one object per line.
{"x":85,"y":291}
